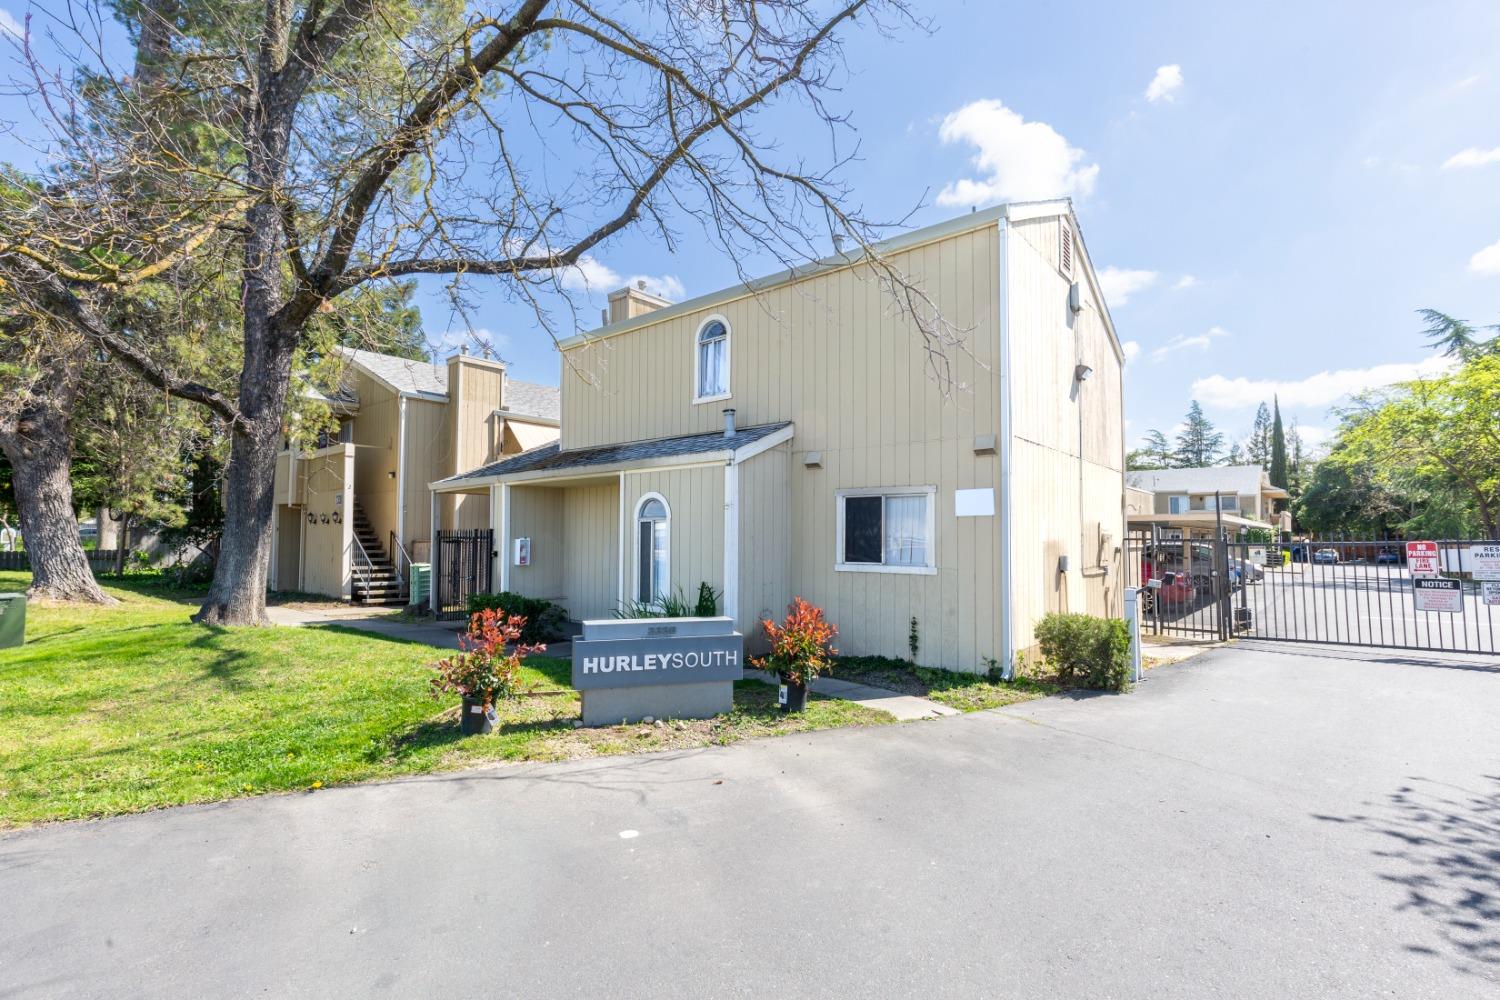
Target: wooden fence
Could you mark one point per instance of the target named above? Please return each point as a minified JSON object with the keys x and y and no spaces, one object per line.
{"x":100,"y":560}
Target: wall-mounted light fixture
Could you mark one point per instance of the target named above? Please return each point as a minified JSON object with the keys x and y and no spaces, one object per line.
{"x":391,"y":474}
{"x":323,"y":518}
{"x":312,"y":518}
{"x":1082,"y":372}
{"x":338,"y":518}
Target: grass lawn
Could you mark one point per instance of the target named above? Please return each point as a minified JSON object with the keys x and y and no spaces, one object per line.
{"x":965,"y":692}
{"x":115,"y":710}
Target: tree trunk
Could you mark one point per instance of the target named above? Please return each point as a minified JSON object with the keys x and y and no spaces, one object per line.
{"x":238,"y":593}
{"x":39,"y":448}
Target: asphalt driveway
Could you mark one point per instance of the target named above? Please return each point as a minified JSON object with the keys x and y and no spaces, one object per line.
{"x":1251,"y":823}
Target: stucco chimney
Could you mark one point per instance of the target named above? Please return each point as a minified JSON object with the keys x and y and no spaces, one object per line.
{"x":628,"y":303}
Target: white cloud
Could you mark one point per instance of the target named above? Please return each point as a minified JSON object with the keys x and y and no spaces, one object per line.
{"x":9,"y":24}
{"x":1018,"y":160}
{"x":593,"y":276}
{"x":1320,"y":390}
{"x":1121,"y":283}
{"x":1165,"y":84}
{"x":1184,"y":342}
{"x":1132,"y":350}
{"x":1186,"y":281}
{"x":1465,"y":83}
{"x":1473,"y":157}
{"x":1486,"y":261}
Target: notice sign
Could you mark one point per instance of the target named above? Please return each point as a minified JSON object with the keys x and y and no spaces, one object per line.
{"x":1484,"y":561}
{"x":1491,"y":594}
{"x":1438,"y":594}
{"x":1422,"y":558}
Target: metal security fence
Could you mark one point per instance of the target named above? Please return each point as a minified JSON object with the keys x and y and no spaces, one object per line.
{"x":462,"y":564}
{"x":1359,"y":592}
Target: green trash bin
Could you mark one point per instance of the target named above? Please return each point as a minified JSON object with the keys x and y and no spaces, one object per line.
{"x":12,"y":620}
{"x":421,"y":582}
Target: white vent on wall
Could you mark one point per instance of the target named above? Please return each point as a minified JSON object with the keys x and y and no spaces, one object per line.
{"x":1065,"y":251}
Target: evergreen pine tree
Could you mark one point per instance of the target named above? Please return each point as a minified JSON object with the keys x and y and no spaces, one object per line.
{"x":1200,"y":443}
{"x":1258,"y":448}
{"x":1278,"y":468}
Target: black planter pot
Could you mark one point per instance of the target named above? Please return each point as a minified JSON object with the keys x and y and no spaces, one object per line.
{"x":473,"y":719}
{"x":793,"y":697}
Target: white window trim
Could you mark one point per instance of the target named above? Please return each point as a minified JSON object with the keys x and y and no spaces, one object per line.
{"x":698,"y":396}
{"x":930,"y":492}
{"x":635,"y":522}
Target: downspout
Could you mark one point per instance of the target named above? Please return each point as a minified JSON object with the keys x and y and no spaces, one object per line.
{"x":1007,"y":510}
{"x":401,"y":477}
{"x":732,"y":539}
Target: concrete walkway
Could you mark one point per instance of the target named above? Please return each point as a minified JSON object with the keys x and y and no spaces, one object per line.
{"x":443,"y":635}
{"x":905,"y":707}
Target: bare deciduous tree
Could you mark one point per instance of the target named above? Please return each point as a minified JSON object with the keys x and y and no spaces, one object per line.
{"x":343,"y":142}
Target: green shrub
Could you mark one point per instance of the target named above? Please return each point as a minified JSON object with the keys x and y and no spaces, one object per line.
{"x":708,"y":601}
{"x":545,"y":621}
{"x":1087,"y":651}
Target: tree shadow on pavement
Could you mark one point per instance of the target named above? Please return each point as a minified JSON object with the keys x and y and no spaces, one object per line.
{"x":1443,"y":852}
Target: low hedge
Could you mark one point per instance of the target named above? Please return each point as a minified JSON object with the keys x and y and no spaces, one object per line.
{"x":1086,"y":651}
{"x":545,"y":621}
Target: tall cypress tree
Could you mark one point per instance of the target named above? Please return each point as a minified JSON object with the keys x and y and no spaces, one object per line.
{"x":1278,"y":446}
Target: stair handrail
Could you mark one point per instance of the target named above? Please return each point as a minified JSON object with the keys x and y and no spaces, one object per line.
{"x":398,"y":552}
{"x":365,"y":556}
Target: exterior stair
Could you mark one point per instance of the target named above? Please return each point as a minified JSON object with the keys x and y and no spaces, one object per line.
{"x":375,"y":582}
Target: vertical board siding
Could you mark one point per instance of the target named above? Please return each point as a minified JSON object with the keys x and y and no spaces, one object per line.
{"x":376,"y":429}
{"x":426,"y":446}
{"x":536,"y":512}
{"x":765,"y":542}
{"x":1067,"y":449}
{"x":695,"y":503}
{"x":590,"y":517}
{"x":326,"y":546}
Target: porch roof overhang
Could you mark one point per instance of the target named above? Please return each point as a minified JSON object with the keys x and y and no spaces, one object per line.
{"x":550,"y":462}
{"x":1198,"y":519}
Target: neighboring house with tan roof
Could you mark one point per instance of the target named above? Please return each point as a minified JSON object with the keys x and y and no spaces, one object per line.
{"x":355,"y":512}
{"x":1238,"y":496}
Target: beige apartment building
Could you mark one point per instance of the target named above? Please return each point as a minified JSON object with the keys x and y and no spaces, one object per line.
{"x":354,"y":514}
{"x":788,"y":438}
{"x":1197,"y":502}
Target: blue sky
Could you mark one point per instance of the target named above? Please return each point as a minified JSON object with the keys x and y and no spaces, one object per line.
{"x":1272,"y":189}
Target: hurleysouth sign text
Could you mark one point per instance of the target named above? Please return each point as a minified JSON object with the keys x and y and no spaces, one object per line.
{"x":660,"y":661}
{"x":681,"y":659}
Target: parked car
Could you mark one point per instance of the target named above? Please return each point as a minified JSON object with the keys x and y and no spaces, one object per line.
{"x":1176,"y":591}
{"x":1387,"y":557}
{"x":1326,"y":556}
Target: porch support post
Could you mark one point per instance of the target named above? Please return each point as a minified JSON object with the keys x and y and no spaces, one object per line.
{"x":501,"y":494}
{"x":434,"y":555}
{"x":624,"y":534}
{"x":732,"y":541}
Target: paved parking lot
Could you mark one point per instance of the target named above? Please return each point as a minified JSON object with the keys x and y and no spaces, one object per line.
{"x":1267,"y":821}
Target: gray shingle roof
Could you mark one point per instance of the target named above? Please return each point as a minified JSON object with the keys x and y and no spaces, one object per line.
{"x":550,"y":458}
{"x":528,"y":398}
{"x":533,"y":399}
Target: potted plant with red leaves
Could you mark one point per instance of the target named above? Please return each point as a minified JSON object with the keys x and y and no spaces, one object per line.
{"x":801,"y":648}
{"x":484,"y":672}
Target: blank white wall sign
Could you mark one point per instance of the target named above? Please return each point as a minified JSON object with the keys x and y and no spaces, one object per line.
{"x":974,"y":503}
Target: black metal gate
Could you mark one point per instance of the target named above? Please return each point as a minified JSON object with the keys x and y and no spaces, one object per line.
{"x":462,"y":564}
{"x":1358,"y":592}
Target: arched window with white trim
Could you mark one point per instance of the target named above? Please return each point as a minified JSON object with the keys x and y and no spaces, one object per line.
{"x":713,"y":359}
{"x":653,"y":520}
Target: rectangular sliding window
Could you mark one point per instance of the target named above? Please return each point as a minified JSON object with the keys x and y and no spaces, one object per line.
{"x":886,"y":531}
